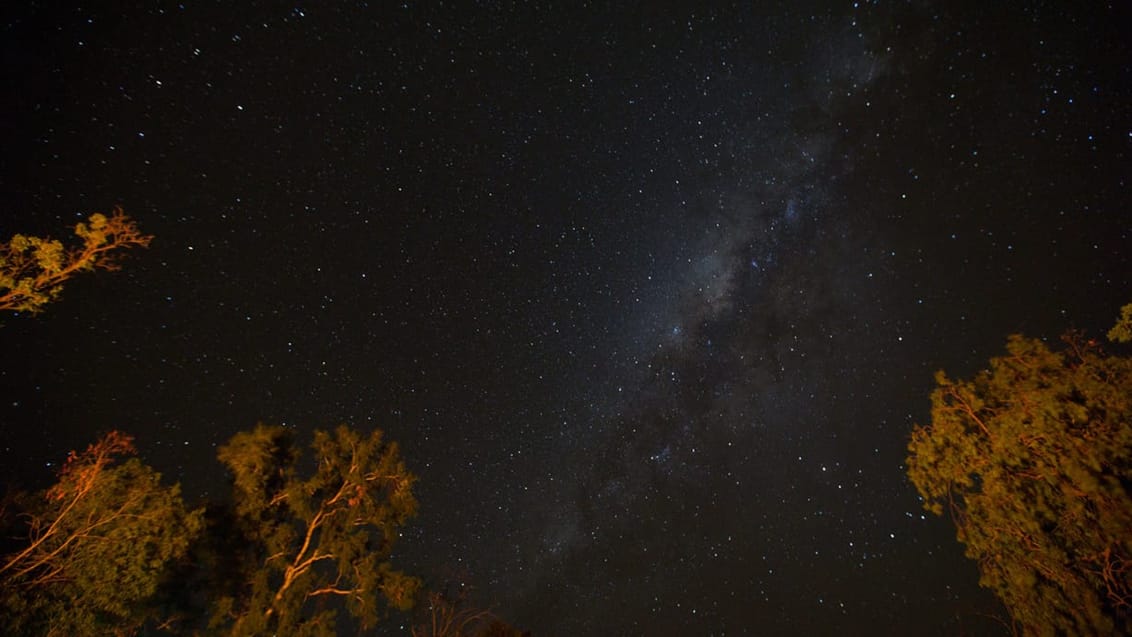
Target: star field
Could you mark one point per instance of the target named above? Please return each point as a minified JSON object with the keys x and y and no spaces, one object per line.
{"x":650,"y":298}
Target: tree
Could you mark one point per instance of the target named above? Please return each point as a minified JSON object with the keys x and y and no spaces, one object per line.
{"x":451,"y":616}
{"x":33,"y":269}
{"x":1122,"y":331}
{"x":1033,"y":459}
{"x":108,"y":549}
{"x":312,"y":540}
{"x":97,"y":545}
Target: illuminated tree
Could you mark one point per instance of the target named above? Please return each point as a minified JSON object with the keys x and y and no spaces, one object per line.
{"x":312,"y":543}
{"x":1033,"y":460}
{"x":33,"y":269}
{"x":1122,"y":331}
{"x":96,"y":546}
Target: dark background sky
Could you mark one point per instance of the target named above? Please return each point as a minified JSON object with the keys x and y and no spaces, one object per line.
{"x":651,"y":297}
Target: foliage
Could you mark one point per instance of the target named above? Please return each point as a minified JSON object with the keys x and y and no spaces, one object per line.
{"x":97,"y":546}
{"x":107,"y":549}
{"x":310,"y":540}
{"x":1033,"y":459}
{"x":1122,"y":331}
{"x":33,"y":269}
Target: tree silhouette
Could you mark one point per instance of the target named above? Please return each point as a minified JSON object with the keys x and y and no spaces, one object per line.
{"x":452,"y":616}
{"x":33,"y":269}
{"x":1033,"y":460}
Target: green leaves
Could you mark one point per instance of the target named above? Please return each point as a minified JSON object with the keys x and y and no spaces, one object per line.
{"x":33,"y":269}
{"x":1033,"y":459}
{"x":1122,"y":331}
{"x":99,"y":546}
{"x":318,"y":537}
{"x":107,"y":548}
{"x":261,"y":462}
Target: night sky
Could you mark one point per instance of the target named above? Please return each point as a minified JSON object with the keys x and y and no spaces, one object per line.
{"x":651,"y":298}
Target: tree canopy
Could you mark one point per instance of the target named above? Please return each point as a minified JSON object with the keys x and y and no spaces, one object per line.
{"x":1122,"y":331}
{"x":325,"y":536}
{"x":33,"y":269}
{"x":103,"y":549}
{"x":97,"y":546}
{"x":1033,"y":460}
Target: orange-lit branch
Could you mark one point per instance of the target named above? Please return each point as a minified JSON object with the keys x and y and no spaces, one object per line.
{"x":78,"y":479}
{"x":33,"y":270}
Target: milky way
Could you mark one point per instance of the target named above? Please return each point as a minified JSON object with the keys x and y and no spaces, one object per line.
{"x":736,"y":316}
{"x":651,"y":299}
